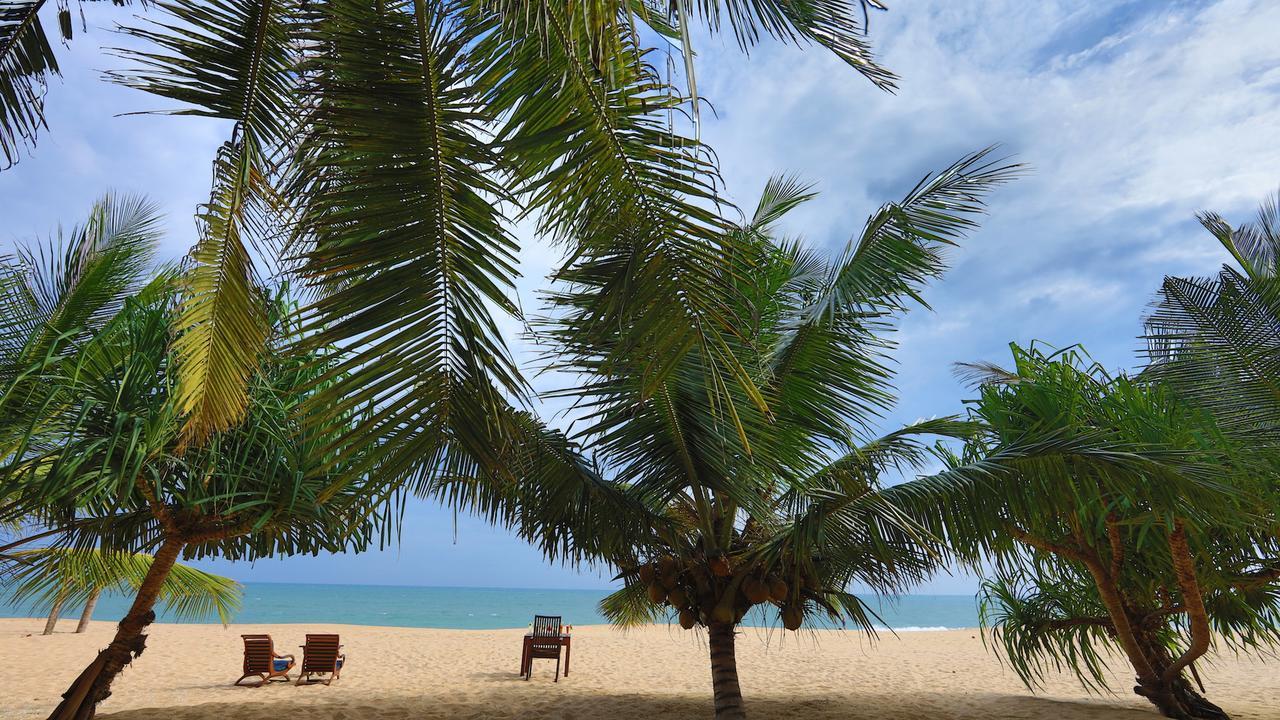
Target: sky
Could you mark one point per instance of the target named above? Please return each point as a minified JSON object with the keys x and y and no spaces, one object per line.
{"x":1132,"y":116}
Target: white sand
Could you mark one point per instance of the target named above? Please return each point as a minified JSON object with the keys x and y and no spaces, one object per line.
{"x":655,"y":672}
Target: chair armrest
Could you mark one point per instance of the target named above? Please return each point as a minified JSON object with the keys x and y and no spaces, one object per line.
{"x":282,"y":656}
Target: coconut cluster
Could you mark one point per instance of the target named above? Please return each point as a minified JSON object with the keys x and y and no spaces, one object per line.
{"x":704,"y":592}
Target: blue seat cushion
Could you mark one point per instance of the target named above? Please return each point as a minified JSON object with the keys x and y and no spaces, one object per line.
{"x":279,"y":665}
{"x":339,"y":663}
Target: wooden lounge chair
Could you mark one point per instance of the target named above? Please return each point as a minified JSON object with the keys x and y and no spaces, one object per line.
{"x":320,"y":656}
{"x":545,"y":643}
{"x":263,"y":662}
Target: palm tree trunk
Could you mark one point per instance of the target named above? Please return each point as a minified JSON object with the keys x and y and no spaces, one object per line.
{"x":94,"y":683}
{"x":724,"y":673}
{"x":54,"y":612}
{"x":87,"y":614}
{"x":1174,"y":697}
{"x":1173,"y":694}
{"x":1158,"y":680}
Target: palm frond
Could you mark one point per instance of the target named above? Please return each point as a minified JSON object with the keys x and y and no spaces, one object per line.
{"x":628,"y":607}
{"x":827,"y":363}
{"x":401,"y":234}
{"x":70,"y":576}
{"x":234,"y":60}
{"x":1045,"y":627}
{"x":839,"y":25}
{"x":26,"y":62}
{"x":594,"y":156}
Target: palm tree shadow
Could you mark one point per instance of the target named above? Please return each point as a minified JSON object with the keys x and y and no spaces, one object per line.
{"x":440,"y":703}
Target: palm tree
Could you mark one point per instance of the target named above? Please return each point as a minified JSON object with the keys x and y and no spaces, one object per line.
{"x":1110,"y":514}
{"x":55,"y":577}
{"x":395,"y":140}
{"x":1217,"y":340}
{"x":95,"y":449}
{"x":707,"y":515}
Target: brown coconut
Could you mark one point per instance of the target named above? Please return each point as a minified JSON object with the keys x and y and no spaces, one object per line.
{"x":720,"y":566}
{"x":678,"y":597}
{"x":778,"y":590}
{"x":792,"y":617}
{"x":647,"y":573}
{"x":667,"y":565}
{"x":755,"y":590}
{"x":687,"y":619}
{"x":657,"y":593}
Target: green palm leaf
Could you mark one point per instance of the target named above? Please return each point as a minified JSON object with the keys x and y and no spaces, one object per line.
{"x":49,"y":575}
{"x":400,"y":231}
{"x":1218,"y":339}
{"x":26,"y":62}
{"x":230,"y":59}
{"x":827,"y":362}
{"x":593,"y":155}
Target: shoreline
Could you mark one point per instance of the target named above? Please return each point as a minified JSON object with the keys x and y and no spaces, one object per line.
{"x":655,"y":671}
{"x":69,"y":621}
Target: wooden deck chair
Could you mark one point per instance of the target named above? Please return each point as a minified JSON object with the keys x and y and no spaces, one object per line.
{"x":320,"y":656}
{"x":545,"y":643}
{"x":263,"y":662}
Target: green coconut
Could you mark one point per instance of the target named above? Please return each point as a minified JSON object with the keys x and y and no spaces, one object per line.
{"x":657,"y":593}
{"x":723,"y":614}
{"x":778,"y":590}
{"x":687,"y":619}
{"x":755,"y":590}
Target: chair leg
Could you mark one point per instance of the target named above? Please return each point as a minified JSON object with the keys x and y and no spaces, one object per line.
{"x":557,"y":668}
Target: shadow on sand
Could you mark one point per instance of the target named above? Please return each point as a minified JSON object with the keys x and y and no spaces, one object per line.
{"x":588,"y":706}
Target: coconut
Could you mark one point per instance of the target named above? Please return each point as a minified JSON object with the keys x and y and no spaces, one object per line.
{"x":667,"y":565}
{"x":722,"y":614}
{"x":792,"y":617}
{"x":778,"y":590}
{"x":755,"y":590}
{"x":647,"y":573}
{"x":720,"y":566}
{"x":678,"y":597}
{"x":687,"y":619}
{"x":657,"y":593}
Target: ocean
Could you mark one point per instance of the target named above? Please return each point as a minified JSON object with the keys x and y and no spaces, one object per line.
{"x":482,"y":608}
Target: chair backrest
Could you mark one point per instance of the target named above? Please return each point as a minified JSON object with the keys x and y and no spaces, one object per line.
{"x":258,"y":653}
{"x":546,"y":626}
{"x":320,"y":654}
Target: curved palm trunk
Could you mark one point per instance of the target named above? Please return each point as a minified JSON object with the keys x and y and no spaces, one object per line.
{"x":1159,"y":676}
{"x":94,"y":683}
{"x":54,"y":613}
{"x":724,"y":673}
{"x":1175,"y":697}
{"x":87,"y":614}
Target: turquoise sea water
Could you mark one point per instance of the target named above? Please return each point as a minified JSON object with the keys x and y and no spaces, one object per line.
{"x":480,"y":608}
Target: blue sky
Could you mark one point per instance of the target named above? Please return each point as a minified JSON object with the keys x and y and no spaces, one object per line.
{"x":1133,"y":116}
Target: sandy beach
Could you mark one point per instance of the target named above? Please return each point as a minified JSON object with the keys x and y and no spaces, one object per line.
{"x":653,"y":672}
